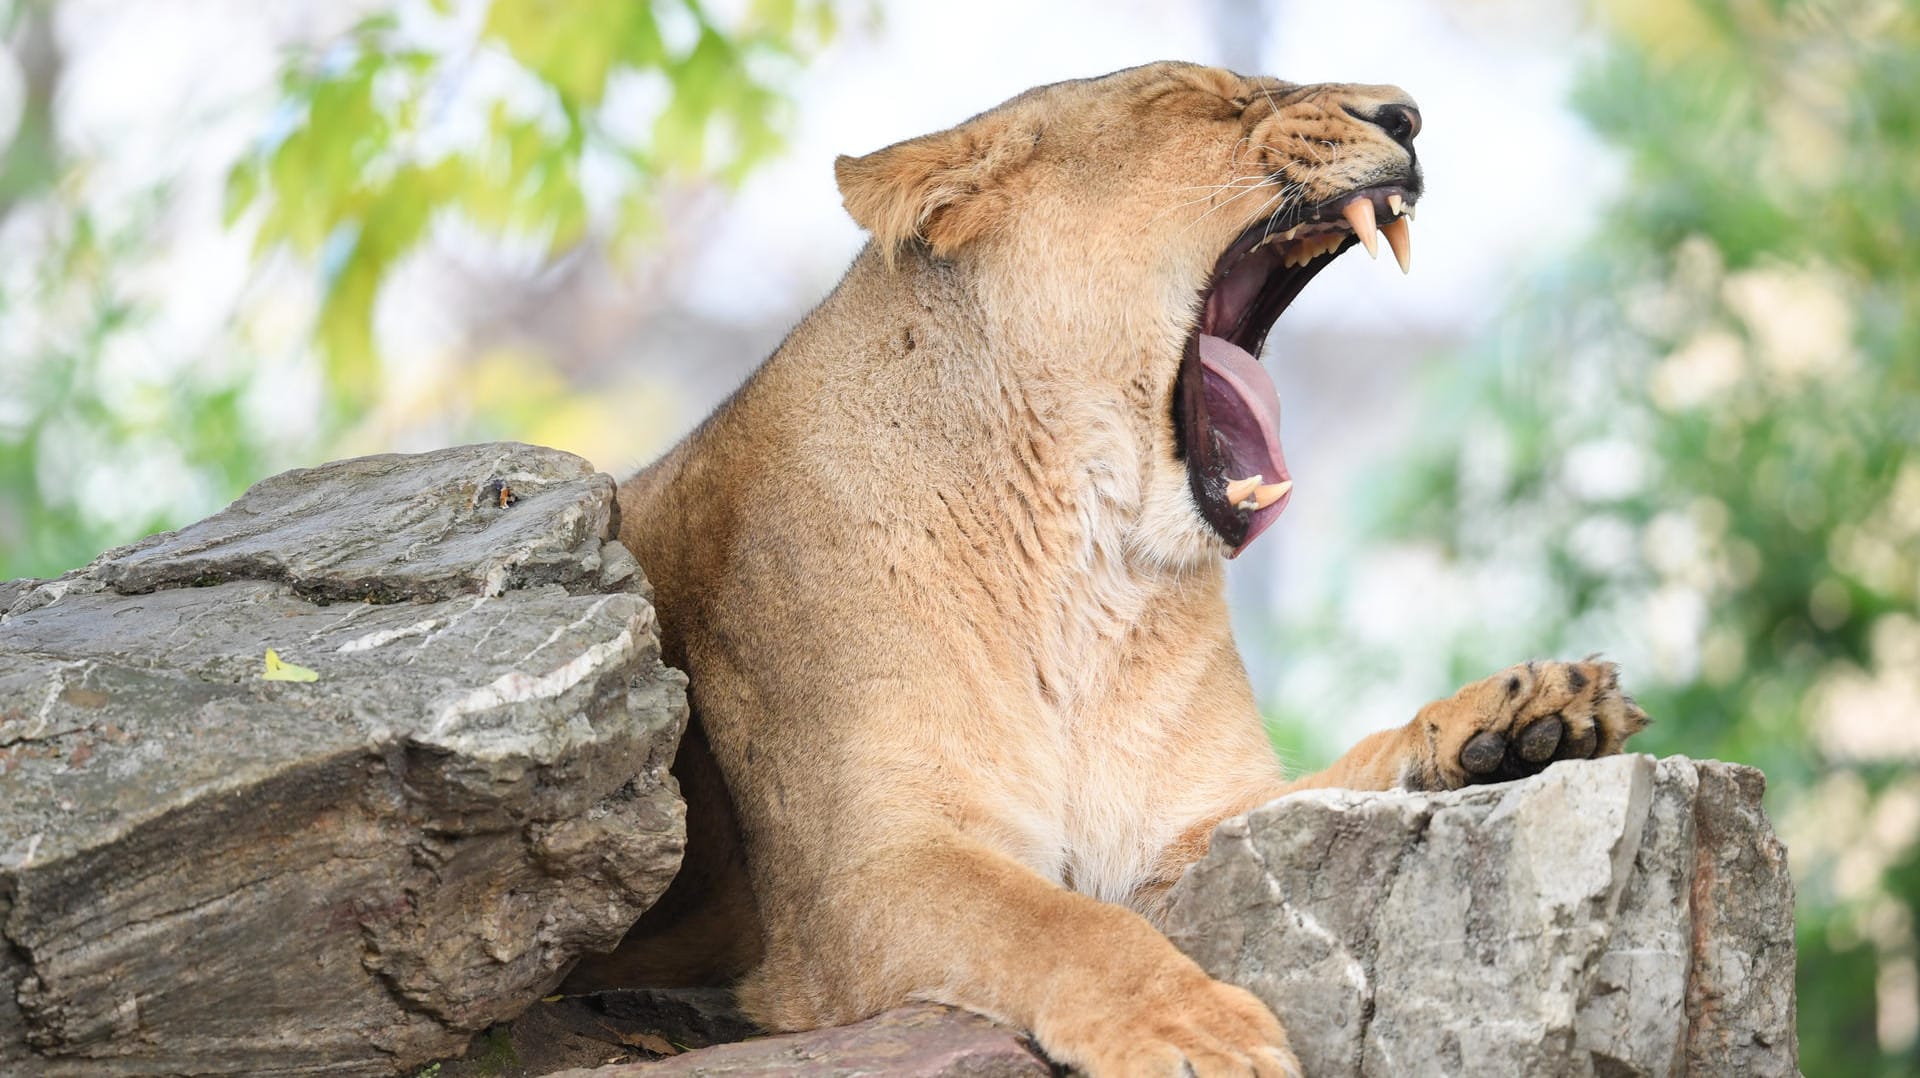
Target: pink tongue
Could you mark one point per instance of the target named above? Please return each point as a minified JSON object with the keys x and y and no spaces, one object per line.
{"x":1244,"y":409}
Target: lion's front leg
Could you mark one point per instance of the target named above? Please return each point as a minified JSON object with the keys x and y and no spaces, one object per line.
{"x":943,"y":918}
{"x":1508,"y":726}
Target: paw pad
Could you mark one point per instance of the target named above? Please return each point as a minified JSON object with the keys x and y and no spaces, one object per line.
{"x":1484,"y":753}
{"x":1538,"y":742}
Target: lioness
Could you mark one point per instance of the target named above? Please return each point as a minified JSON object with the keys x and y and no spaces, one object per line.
{"x":946,"y":573}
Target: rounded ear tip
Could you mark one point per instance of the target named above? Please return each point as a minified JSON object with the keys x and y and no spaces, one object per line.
{"x":848,"y":162}
{"x":849,"y":173}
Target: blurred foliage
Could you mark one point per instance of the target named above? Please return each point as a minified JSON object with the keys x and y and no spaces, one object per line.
{"x":89,"y":456}
{"x":538,"y":125}
{"x":1702,"y":434}
{"x":359,"y":175}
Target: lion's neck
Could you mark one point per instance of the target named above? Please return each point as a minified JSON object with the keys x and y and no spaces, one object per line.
{"x":1098,"y":546}
{"x":1032,"y":482}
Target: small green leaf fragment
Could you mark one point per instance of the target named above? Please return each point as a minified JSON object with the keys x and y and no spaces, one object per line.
{"x":278,"y":669}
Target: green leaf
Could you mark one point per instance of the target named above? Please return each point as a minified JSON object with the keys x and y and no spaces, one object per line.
{"x":277,"y":669}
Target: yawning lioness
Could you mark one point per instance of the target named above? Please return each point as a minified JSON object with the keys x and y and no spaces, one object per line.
{"x":947,"y":574}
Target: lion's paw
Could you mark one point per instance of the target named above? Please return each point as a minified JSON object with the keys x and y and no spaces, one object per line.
{"x":1519,"y":721}
{"x":1199,"y":1029}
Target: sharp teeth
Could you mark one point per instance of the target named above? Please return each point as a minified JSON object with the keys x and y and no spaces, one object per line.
{"x":1394,"y":204}
{"x":1400,"y":237}
{"x":1290,"y":233}
{"x":1272,"y":492}
{"x":1359,"y":214}
{"x":1409,"y":213}
{"x":1239,"y":490}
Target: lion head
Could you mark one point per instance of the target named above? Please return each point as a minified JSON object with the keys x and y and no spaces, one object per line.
{"x":1143,"y":231}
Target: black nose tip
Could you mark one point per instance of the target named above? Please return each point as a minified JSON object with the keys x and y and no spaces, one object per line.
{"x":1400,"y":122}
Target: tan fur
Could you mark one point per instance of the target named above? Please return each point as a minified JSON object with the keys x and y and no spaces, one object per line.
{"x":957,"y":635}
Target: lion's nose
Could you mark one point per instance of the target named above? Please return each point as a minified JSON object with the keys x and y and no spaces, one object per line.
{"x":1400,"y":122}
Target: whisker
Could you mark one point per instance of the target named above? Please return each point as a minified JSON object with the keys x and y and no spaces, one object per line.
{"x":1213,"y":193}
{"x":1216,"y":186}
{"x":1221,"y":206}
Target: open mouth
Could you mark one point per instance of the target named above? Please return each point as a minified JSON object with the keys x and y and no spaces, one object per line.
{"x":1226,"y":410}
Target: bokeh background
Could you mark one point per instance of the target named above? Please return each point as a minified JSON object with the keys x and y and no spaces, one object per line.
{"x":1652,"y":390}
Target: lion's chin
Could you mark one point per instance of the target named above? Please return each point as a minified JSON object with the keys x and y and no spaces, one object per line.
{"x":1226,"y":409}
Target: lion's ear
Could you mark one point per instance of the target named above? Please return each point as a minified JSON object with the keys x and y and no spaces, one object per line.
{"x":946,"y":189}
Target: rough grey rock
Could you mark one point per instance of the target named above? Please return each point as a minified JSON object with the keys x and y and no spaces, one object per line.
{"x":617,"y":1026}
{"x":1610,"y":917}
{"x":923,"y":1041}
{"x":202,"y":871}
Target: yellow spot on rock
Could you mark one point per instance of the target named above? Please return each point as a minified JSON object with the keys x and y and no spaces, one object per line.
{"x":278,"y":669}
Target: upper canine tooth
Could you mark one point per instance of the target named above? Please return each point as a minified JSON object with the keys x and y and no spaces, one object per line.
{"x":1400,"y":237}
{"x":1272,"y":492}
{"x":1394,"y":204}
{"x":1239,"y":490}
{"x":1359,"y":214}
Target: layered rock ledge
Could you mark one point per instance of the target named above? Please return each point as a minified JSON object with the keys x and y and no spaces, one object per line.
{"x":206,"y":871}
{"x":1613,"y":917}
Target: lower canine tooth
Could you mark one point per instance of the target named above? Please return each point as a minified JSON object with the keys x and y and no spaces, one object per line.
{"x":1272,"y":492}
{"x":1239,"y":490}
